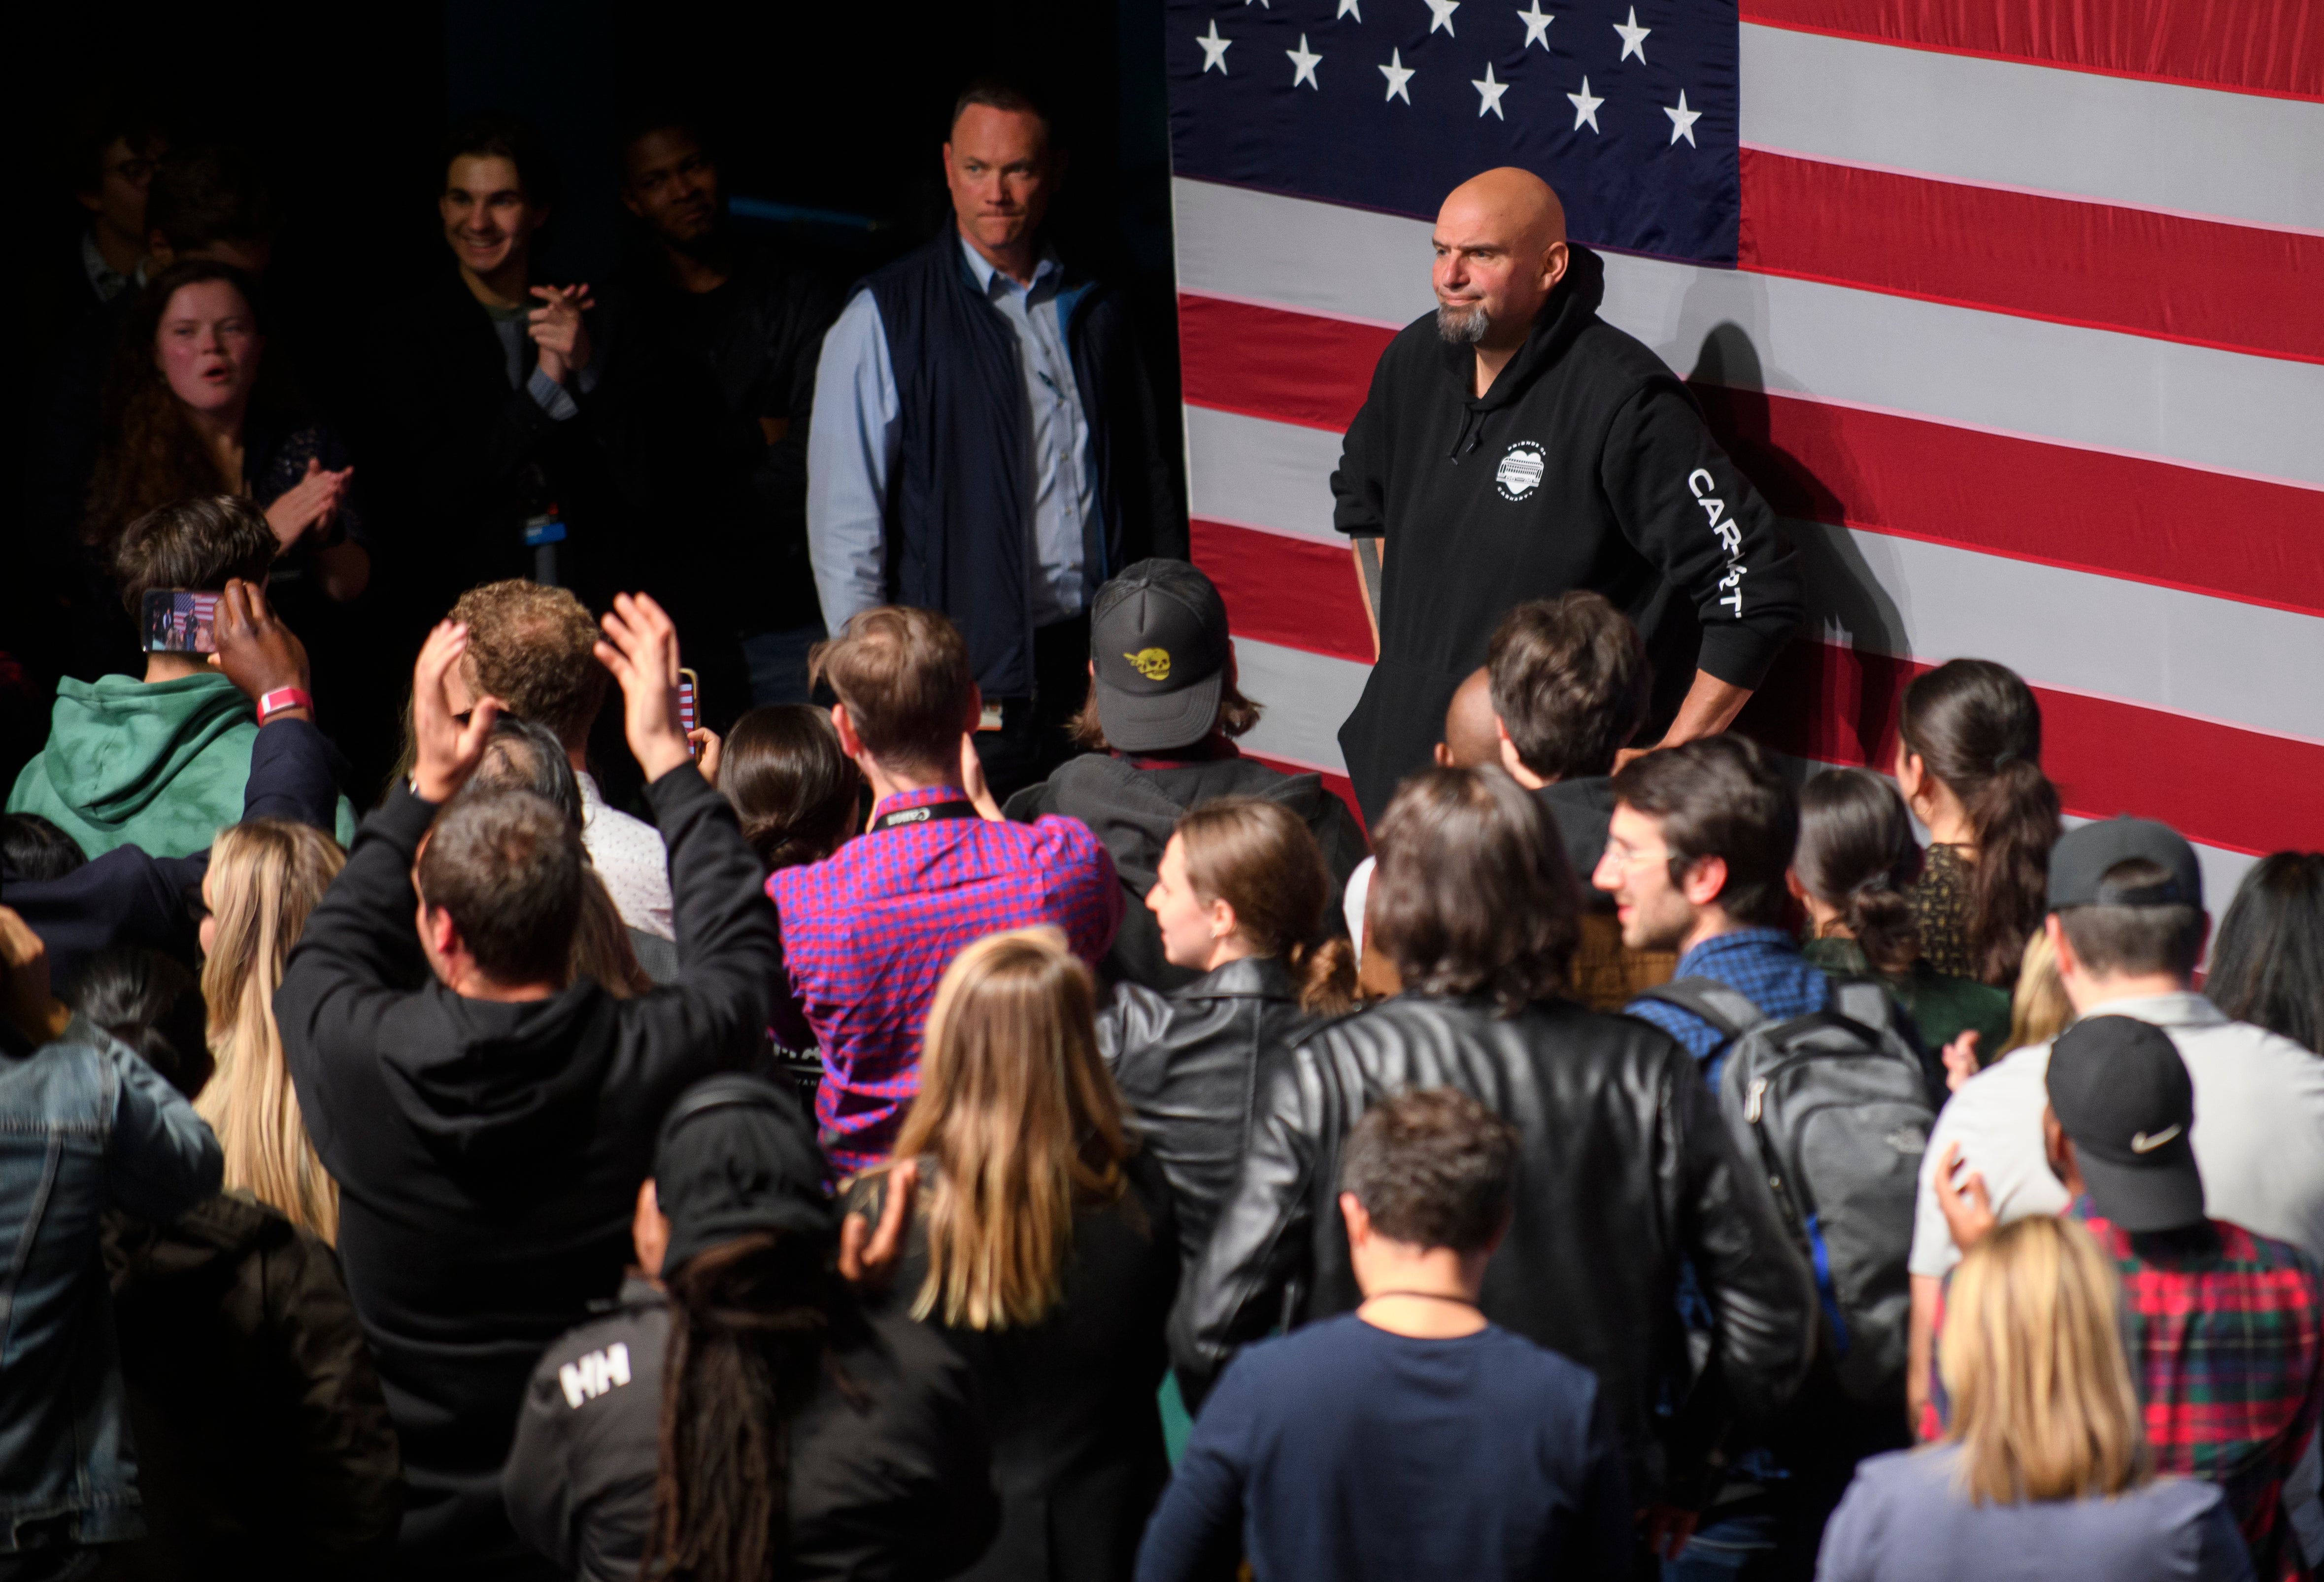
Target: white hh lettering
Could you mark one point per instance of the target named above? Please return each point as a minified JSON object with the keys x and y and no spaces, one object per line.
{"x":588,"y":1377}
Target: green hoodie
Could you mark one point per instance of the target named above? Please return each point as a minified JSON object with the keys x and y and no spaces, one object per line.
{"x":159,"y":765}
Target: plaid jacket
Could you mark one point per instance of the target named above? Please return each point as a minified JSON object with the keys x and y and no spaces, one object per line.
{"x":2225,"y":1333}
{"x":869,"y":930}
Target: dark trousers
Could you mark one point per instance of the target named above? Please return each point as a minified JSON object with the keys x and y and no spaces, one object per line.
{"x":1032,"y":739}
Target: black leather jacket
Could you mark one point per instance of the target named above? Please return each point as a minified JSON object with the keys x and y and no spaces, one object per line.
{"x":1624,"y":1171}
{"x":1189,"y":1062}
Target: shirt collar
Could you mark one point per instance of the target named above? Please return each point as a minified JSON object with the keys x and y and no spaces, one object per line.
{"x":983,"y":273}
{"x":107,"y":280}
{"x":1737,"y":941}
{"x":2183,"y":1009}
{"x":926,"y":796}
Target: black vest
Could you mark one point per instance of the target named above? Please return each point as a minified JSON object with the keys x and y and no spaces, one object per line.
{"x":959,"y":517}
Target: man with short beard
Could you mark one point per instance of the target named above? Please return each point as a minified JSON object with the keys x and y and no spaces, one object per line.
{"x":1513,"y":447}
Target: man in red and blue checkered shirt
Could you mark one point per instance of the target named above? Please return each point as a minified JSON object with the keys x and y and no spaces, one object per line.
{"x":2225,"y":1328}
{"x":869,"y":930}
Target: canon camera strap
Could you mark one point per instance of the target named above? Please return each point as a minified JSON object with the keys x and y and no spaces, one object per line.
{"x":905,"y":817}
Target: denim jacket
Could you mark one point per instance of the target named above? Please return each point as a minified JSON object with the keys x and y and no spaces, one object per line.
{"x":85,"y":1125}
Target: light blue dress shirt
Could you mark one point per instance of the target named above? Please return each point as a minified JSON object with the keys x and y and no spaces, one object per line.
{"x":851,"y":448}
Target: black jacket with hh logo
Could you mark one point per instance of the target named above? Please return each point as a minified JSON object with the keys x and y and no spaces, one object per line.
{"x":1586,"y":465}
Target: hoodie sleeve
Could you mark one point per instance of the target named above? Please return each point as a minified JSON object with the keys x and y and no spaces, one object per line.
{"x":358,"y":955}
{"x":730,"y":957}
{"x":1359,"y":485}
{"x":1688,"y":509}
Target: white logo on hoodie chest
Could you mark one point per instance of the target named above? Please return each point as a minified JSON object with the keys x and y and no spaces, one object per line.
{"x":1520,"y":472}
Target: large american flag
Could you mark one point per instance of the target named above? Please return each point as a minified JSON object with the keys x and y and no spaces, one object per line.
{"x":2014,"y":312}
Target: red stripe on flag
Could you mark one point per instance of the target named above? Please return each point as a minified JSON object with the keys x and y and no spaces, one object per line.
{"x":2152,"y":521}
{"x":2088,"y":510}
{"x":2240,"y":287}
{"x":2273,"y":47}
{"x":1273,"y":363}
{"x":2242,"y":790}
{"x":1296,"y":591}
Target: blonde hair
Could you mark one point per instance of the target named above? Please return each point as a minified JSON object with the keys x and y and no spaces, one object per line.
{"x":2031,"y":1353}
{"x":2039,"y":1009}
{"x":265,"y":876}
{"x":1020,"y":1120}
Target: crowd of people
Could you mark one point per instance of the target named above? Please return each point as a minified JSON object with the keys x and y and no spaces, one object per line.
{"x":962,"y":1116}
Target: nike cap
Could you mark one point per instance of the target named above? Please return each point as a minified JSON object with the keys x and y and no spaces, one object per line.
{"x":2125,"y":1099}
{"x":1158,"y":644}
{"x":2080,"y":860}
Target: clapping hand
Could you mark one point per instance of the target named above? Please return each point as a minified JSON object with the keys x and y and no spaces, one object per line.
{"x":1960,"y":1061}
{"x":450,"y":748}
{"x":641,"y":648}
{"x":556,"y":328}
{"x":868,"y":1256}
{"x":312,"y":501}
{"x":257,"y":652}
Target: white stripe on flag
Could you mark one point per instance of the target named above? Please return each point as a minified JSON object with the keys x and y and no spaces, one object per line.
{"x":1253,"y":472}
{"x":1306,"y":697}
{"x":2129,"y":394}
{"x":2192,"y":150}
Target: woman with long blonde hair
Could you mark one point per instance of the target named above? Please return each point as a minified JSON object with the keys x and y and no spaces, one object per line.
{"x":2044,"y":1470}
{"x":1041,"y":1243}
{"x":265,"y":876}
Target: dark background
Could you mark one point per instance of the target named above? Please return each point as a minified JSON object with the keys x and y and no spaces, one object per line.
{"x":839,"y":108}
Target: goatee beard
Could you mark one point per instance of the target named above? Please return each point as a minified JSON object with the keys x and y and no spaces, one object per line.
{"x":1462,"y":328}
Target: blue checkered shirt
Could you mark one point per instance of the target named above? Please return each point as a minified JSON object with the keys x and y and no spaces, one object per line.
{"x":1761,"y":964}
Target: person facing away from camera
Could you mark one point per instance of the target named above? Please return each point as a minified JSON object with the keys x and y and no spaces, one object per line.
{"x":1040,"y":1243}
{"x":740,"y":1414}
{"x":486,"y":1114}
{"x":1621,"y":1144}
{"x":1412,"y":1437}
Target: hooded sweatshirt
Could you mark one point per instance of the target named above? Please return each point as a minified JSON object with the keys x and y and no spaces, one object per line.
{"x":488,"y":1153}
{"x":159,"y":765}
{"x":1586,"y":464}
{"x":1133,"y":806}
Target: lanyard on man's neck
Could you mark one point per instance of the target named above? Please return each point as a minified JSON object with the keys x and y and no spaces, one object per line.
{"x":928,"y":812}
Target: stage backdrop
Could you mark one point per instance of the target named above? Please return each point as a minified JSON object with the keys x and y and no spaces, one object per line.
{"x":2015,"y":313}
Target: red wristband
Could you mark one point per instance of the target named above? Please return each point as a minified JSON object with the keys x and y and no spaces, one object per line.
{"x":282,"y":698}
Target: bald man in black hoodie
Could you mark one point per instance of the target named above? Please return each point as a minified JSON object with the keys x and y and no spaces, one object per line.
{"x":487,"y":1116}
{"x":1514,"y":447}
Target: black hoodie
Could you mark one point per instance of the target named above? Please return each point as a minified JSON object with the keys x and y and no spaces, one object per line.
{"x":489,"y":1155}
{"x":1586,"y":465}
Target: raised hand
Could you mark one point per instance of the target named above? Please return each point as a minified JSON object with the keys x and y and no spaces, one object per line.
{"x":556,"y":329}
{"x":258,"y":653}
{"x":310,"y":502}
{"x":641,"y":648}
{"x":24,"y":995}
{"x":1961,"y":1060}
{"x":1968,"y":1210}
{"x":707,"y":745}
{"x":868,"y":1257}
{"x":449,"y":749}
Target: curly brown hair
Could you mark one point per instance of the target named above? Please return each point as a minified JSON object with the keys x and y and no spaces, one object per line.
{"x":151,"y":455}
{"x":534,"y":647}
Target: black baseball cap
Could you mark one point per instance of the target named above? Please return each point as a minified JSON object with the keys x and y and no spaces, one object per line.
{"x":1159,"y":640}
{"x":2080,"y":860}
{"x":2125,"y":1102}
{"x":736,"y":1155}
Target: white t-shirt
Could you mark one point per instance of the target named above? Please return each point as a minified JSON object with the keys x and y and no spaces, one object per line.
{"x":2258,"y":1137}
{"x":629,"y":856}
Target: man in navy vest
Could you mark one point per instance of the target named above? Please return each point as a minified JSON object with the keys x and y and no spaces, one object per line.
{"x":985,"y":441}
